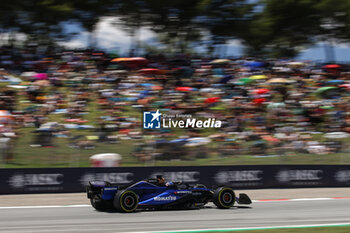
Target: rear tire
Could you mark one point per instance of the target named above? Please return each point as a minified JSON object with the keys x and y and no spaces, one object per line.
{"x":126,"y":201}
{"x":224,"y":197}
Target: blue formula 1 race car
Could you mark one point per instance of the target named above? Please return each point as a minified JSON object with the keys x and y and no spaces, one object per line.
{"x":149,"y":194}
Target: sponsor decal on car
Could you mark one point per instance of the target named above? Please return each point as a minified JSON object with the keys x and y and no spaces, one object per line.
{"x":183,"y":192}
{"x":109,"y":189}
{"x":167,"y":198}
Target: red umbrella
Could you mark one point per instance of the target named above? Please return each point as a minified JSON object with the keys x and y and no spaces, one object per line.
{"x":331,"y":66}
{"x":270,"y":138}
{"x":124,"y":131}
{"x":76,"y":120}
{"x":261,"y":91}
{"x":211,"y":100}
{"x":347,"y":86}
{"x":151,"y":71}
{"x":132,"y":62}
{"x":184,"y":89}
{"x":5,"y":117}
{"x":157,"y":88}
{"x":259,"y":100}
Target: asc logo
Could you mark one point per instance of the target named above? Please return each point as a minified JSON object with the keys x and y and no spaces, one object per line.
{"x":224,"y":177}
{"x":151,"y":120}
{"x":285,"y":176}
{"x":26,"y":180}
{"x":119,"y":178}
{"x":342,"y":176}
{"x":180,"y":176}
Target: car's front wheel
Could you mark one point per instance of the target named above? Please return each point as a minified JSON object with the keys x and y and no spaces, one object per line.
{"x":224,"y":197}
{"x":126,"y":201}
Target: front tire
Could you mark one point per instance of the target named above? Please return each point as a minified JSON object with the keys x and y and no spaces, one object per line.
{"x":224,"y":197}
{"x":126,"y":201}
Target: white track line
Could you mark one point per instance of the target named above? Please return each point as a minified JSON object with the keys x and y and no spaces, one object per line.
{"x":254,"y":201}
{"x":41,"y":206}
{"x":303,"y":199}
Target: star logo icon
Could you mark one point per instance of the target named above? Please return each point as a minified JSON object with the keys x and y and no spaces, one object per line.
{"x":155,"y":115}
{"x":151,"y":120}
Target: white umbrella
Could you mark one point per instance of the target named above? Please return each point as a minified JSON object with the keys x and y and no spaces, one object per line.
{"x":198,"y":141}
{"x":17,"y":86}
{"x":296,"y":64}
{"x":106,"y":159}
{"x":208,"y":89}
{"x":336,"y":135}
{"x":28,"y":74}
{"x":12,"y":79}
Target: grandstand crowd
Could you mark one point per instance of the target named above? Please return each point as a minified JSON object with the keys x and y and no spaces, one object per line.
{"x":268,"y":107}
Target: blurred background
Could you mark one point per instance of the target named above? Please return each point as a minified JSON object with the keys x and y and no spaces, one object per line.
{"x":75,"y":77}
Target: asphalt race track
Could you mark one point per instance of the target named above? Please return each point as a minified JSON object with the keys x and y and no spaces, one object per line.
{"x":260,"y":214}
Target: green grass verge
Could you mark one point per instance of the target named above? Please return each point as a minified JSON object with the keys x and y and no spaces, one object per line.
{"x":304,"y":230}
{"x":333,"y":229}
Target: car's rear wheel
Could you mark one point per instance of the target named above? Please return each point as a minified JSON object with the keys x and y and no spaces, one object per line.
{"x":126,"y":201}
{"x":98,"y":203}
{"x":224,"y":197}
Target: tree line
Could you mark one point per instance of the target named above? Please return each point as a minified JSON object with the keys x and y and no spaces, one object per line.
{"x":271,"y":28}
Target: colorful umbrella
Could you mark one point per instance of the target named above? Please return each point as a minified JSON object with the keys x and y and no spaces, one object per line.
{"x":220,"y":61}
{"x":76,"y":120}
{"x":261,"y":91}
{"x":254,"y":64}
{"x":278,"y":80}
{"x":337,"y":135}
{"x":295,"y":64}
{"x":42,"y":83}
{"x":5,"y":116}
{"x":121,"y":59}
{"x":326,"y":107}
{"x":336,"y":82}
{"x":347,"y":86}
{"x":244,"y":81}
{"x":258,"y":77}
{"x":184,"y":89}
{"x":157,"y":88}
{"x":147,"y":84}
{"x":270,"y":138}
{"x":324,"y":89}
{"x":152,"y":71}
{"x":217,"y":108}
{"x":259,"y":101}
{"x":331,"y":66}
{"x":276,"y":105}
{"x":211,"y":100}
{"x":40,"y":76}
{"x":198,"y":141}
{"x":131,"y":61}
{"x":105,"y":160}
